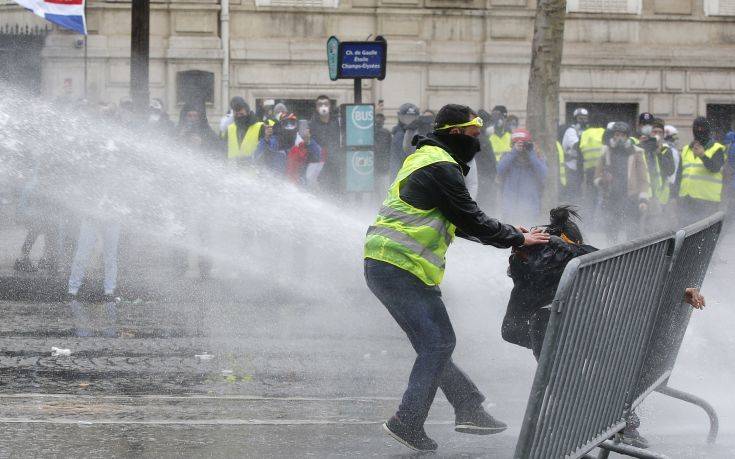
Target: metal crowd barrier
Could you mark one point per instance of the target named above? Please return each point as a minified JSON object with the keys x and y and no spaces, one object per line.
{"x":617,"y":324}
{"x":695,"y":245}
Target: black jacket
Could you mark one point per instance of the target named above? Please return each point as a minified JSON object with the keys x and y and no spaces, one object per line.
{"x":538,"y":269}
{"x":327,"y":136}
{"x":541,"y":266}
{"x":441,"y":185}
{"x":383,"y":139}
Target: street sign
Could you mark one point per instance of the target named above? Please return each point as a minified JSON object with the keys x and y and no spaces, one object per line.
{"x":332,"y":57}
{"x":359,"y":171}
{"x":359,"y":125}
{"x":362,"y":59}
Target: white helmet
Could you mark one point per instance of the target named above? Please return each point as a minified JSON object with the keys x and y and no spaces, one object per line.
{"x":670,"y":131}
{"x":580,"y":111}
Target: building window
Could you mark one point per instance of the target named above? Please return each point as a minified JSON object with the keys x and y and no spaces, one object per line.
{"x":604,"y":6}
{"x":722,"y":117}
{"x":195,"y":87}
{"x":719,"y":7}
{"x":299,"y":3}
{"x":603,"y":113}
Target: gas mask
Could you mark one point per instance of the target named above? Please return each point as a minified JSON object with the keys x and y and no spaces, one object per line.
{"x":618,"y":143}
{"x":646,"y":130}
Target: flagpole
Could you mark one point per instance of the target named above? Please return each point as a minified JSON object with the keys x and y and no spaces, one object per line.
{"x":85,"y":69}
{"x":86,"y":35}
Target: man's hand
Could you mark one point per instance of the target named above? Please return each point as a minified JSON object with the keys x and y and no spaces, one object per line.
{"x":694,"y":298}
{"x":697,"y":149}
{"x":533,"y":237}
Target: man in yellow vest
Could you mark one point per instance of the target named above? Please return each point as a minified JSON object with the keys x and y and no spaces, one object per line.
{"x":500,"y":138}
{"x":427,"y":205}
{"x":569,"y":140}
{"x":242,"y":136}
{"x":590,"y":146}
{"x":661,"y":168}
{"x":700,"y":174}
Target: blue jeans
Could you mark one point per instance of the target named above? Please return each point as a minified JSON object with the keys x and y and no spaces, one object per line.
{"x":419,"y":311}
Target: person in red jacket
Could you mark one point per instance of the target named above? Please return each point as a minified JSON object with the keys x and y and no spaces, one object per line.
{"x":304,"y":152}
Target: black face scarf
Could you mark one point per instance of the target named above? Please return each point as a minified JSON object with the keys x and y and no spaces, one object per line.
{"x":701,"y":130}
{"x":243,"y":122}
{"x":463,"y":148}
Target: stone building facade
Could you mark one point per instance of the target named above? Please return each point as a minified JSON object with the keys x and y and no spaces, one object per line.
{"x":670,"y":57}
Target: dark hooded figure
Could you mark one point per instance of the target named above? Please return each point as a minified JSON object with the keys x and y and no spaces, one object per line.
{"x":194,"y":130}
{"x":700,"y":175}
{"x":536,"y":272}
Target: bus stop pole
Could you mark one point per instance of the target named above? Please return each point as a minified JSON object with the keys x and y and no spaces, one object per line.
{"x":358,"y":90}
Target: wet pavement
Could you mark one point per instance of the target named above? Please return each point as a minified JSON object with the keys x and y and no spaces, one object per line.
{"x":207,"y":379}
{"x":223,"y":372}
{"x":235,"y":380}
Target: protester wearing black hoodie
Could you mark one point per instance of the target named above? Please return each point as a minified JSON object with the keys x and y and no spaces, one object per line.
{"x":536,"y":272}
{"x":404,"y":265}
{"x":194,"y":130}
{"x":324,"y":128}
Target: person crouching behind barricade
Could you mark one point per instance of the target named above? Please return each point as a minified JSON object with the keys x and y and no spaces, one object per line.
{"x":536,"y":272}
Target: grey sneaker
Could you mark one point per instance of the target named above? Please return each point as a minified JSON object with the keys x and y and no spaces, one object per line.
{"x":478,"y":422}
{"x":416,"y":440}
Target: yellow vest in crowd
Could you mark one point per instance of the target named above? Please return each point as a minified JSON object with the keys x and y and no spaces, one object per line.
{"x":562,"y":165}
{"x":249,"y":143}
{"x":696,"y":180}
{"x":659,"y":185}
{"x":501,"y":145}
{"x":590,"y":145}
{"x":412,"y":239}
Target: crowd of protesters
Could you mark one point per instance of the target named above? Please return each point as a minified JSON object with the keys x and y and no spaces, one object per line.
{"x":639,"y":175}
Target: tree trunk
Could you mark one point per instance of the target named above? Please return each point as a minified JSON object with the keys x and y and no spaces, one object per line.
{"x":542,"y":108}
{"x":139,"y":51}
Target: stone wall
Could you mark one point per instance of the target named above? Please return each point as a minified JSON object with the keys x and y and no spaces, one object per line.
{"x":670,"y":59}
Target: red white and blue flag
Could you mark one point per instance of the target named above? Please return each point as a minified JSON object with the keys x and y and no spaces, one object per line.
{"x":66,"y":13}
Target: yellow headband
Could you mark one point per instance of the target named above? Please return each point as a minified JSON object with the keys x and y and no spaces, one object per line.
{"x":475,"y":122}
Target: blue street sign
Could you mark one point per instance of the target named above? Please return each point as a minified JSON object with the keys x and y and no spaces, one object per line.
{"x":362,"y":59}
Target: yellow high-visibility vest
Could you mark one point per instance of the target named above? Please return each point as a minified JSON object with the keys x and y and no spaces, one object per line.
{"x":562,"y":165}
{"x":249,"y":143}
{"x":501,"y":145}
{"x":659,"y":186}
{"x":412,"y":239}
{"x":590,"y":145}
{"x":697,"y":181}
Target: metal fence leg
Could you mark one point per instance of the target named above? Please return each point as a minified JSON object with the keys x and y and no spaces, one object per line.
{"x":628,"y":450}
{"x":714,"y":423}
{"x":603,"y":454}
